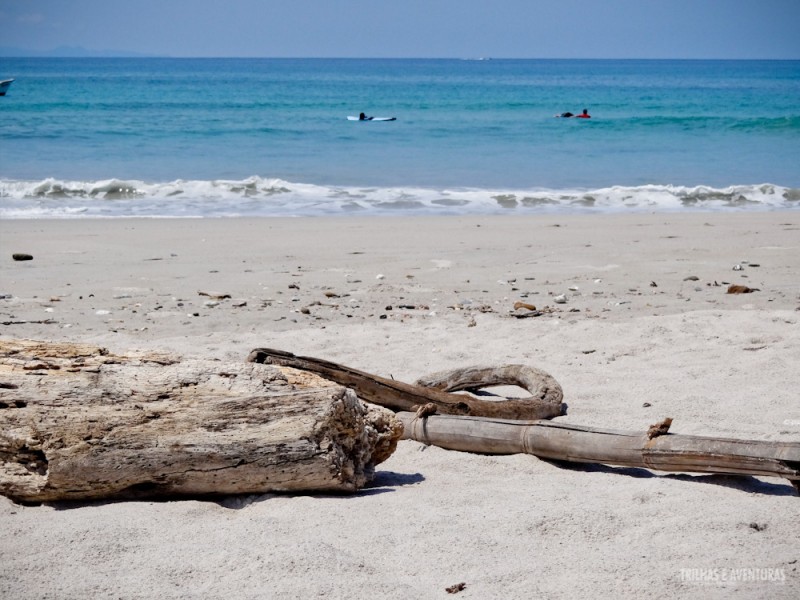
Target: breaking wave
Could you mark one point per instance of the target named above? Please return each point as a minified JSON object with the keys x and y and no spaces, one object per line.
{"x":257,"y":196}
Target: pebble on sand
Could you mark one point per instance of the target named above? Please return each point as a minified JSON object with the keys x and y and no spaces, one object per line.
{"x":525,"y":305}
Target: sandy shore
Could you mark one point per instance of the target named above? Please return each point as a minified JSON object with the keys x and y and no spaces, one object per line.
{"x":646,"y":331}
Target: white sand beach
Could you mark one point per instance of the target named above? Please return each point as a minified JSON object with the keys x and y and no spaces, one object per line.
{"x":647,"y":331}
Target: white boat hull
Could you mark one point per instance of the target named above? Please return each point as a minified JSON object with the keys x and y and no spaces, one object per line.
{"x":4,"y":85}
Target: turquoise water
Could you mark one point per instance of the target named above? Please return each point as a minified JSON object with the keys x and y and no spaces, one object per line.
{"x":118,"y":137}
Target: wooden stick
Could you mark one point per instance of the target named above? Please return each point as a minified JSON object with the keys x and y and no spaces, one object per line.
{"x":483,"y":430}
{"x":577,"y":443}
{"x":544,"y":403}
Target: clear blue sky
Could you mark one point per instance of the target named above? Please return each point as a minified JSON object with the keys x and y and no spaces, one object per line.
{"x":410,"y":28}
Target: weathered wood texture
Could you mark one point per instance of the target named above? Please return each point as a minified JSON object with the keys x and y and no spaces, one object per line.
{"x":474,"y":425}
{"x":576,"y":443}
{"x":77,"y":422}
{"x":544,"y":402}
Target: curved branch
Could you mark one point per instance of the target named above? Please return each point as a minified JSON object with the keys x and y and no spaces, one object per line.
{"x":544,"y":403}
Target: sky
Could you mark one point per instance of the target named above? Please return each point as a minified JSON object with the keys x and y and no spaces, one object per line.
{"x":749,"y":29}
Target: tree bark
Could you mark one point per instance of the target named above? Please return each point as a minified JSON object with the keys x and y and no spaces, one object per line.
{"x":77,"y":423}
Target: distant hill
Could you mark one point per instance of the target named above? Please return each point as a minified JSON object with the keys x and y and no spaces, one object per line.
{"x":69,"y":52}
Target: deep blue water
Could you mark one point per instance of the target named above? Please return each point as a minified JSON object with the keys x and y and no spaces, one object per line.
{"x":87,"y":136}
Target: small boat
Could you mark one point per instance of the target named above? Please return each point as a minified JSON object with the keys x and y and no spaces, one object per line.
{"x":4,"y":85}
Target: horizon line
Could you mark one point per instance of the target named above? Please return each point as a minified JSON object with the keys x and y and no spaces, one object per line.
{"x":136,"y":55}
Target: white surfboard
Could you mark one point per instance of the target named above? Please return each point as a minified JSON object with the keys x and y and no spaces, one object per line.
{"x":351,"y":118}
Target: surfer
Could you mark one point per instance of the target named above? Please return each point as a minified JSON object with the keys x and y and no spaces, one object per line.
{"x":584,"y":115}
{"x":363,"y":117}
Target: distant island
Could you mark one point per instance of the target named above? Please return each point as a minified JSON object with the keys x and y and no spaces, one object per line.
{"x":69,"y":52}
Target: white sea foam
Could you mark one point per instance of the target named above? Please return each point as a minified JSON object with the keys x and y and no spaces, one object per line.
{"x":256,"y":196}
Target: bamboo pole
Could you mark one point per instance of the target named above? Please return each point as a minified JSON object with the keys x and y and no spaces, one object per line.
{"x":659,"y":451}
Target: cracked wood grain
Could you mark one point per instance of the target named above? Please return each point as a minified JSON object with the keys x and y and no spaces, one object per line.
{"x":90,"y":424}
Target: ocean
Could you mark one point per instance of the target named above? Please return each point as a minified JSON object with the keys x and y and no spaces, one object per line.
{"x":120,"y":137}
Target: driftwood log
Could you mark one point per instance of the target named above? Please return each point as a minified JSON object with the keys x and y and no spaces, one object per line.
{"x":77,"y":422}
{"x":498,"y":427}
{"x":656,"y":449}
